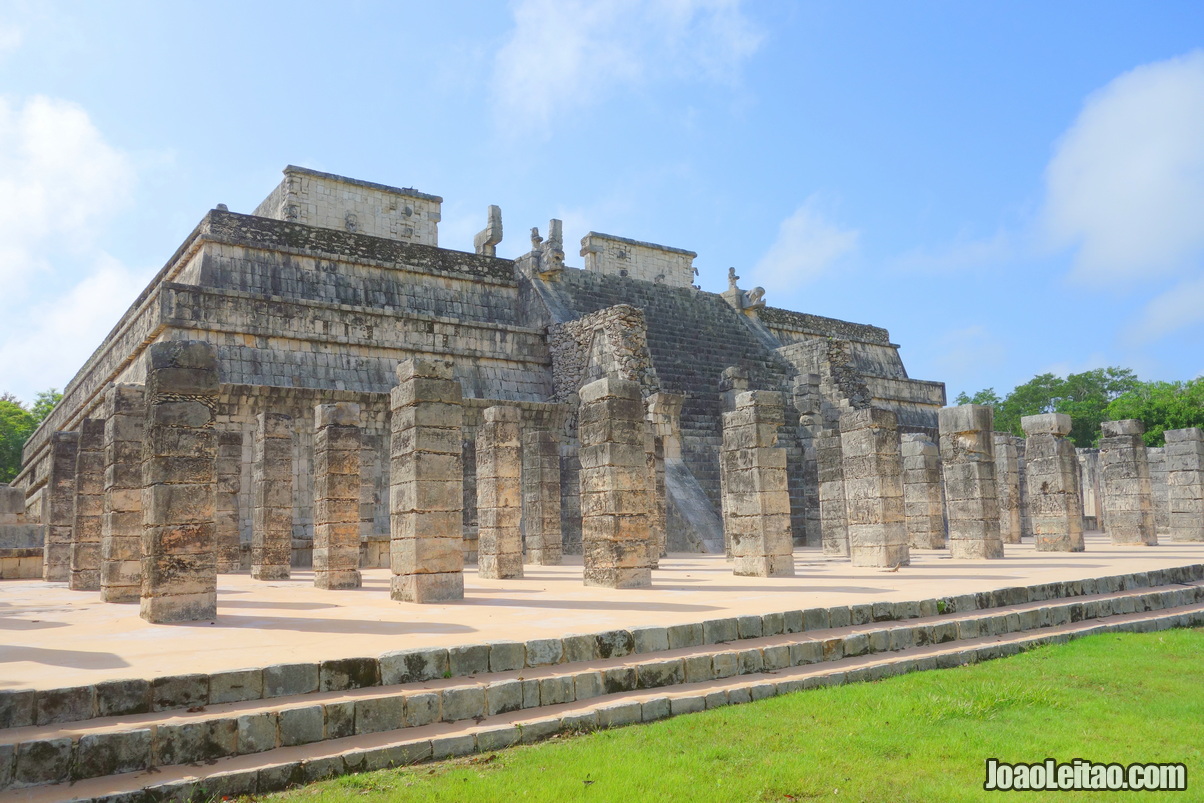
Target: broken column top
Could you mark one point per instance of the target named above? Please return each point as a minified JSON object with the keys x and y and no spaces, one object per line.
{"x":1189,"y":434}
{"x":609,"y":387}
{"x":185,"y":367}
{"x":425,"y":367}
{"x":503,"y":414}
{"x":339,"y":414}
{"x":1046,"y":424}
{"x":1128,"y":426}
{"x":760,"y":398}
{"x":871,"y":417}
{"x":966,"y":418}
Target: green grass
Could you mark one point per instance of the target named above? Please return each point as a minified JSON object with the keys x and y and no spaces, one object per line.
{"x":918,"y":737}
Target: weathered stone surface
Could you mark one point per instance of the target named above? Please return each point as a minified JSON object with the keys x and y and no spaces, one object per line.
{"x":89,"y":506}
{"x":337,"y":481}
{"x":873,"y":484}
{"x":1055,"y":505}
{"x":1160,"y":493}
{"x":1007,"y":486}
{"x":179,"y":567}
{"x":58,"y":511}
{"x":1185,"y":483}
{"x":1128,"y":496}
{"x":615,"y":501}
{"x":499,"y":494}
{"x":427,"y":484}
{"x":756,"y":495}
{"x":121,"y":525}
{"x":229,"y":483}
{"x":272,"y":488}
{"x":541,"y":498}
{"x":968,"y":468}
{"x":923,"y":503}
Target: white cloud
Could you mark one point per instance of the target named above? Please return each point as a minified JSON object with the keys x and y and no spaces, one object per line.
{"x":1180,"y":307}
{"x":564,"y":55}
{"x":10,"y":38}
{"x":46,"y":343}
{"x":1126,"y":184}
{"x":60,"y":183}
{"x":808,"y":243}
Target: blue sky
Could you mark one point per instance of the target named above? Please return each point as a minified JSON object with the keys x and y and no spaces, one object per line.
{"x":1009,"y":188}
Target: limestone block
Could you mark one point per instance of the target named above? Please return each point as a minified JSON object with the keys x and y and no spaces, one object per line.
{"x":1054,"y":492}
{"x":1185,"y":483}
{"x":968,"y":469}
{"x":426,"y":484}
{"x":89,"y":506}
{"x":541,"y":498}
{"x":121,"y":525}
{"x":1007,"y":485}
{"x":59,"y":506}
{"x":1127,"y":491}
{"x":337,"y":480}
{"x":179,"y":567}
{"x":923,"y":511}
{"x":873,"y":487}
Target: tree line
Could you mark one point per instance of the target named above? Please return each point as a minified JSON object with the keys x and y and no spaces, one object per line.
{"x":1092,"y":397}
{"x":17,"y":423}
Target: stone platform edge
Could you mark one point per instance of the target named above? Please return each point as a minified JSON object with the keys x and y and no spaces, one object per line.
{"x":27,"y":707}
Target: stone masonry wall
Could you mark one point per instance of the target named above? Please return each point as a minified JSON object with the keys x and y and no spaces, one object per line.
{"x":619,"y":256}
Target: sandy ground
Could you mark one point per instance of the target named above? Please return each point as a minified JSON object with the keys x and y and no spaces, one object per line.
{"x":51,"y":636}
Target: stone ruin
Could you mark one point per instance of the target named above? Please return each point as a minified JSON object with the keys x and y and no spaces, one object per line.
{"x":320,"y":384}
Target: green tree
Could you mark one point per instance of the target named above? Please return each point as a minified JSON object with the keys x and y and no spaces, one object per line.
{"x":16,"y":425}
{"x":1161,"y":406}
{"x":44,"y":402}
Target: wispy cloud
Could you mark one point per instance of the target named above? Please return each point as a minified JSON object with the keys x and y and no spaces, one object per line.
{"x":969,"y":351}
{"x":565,"y":55}
{"x":10,"y":38}
{"x":60,"y":184}
{"x":807,"y":245}
{"x":1126,"y":184}
{"x":1179,"y":308}
{"x":965,"y":253}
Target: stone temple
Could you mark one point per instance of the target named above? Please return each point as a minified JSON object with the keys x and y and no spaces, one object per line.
{"x":330,"y":283}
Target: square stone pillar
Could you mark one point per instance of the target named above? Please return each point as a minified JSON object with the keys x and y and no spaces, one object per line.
{"x":923,"y":507}
{"x":59,"y":507}
{"x":756,"y":499}
{"x":829,"y":469}
{"x":121,"y":527}
{"x":89,"y":506}
{"x":229,"y":483}
{"x":1055,"y":506}
{"x":615,"y":498}
{"x":426,"y":477}
{"x":1185,"y":483}
{"x":179,"y":567}
{"x":499,"y":494}
{"x":873,"y":488}
{"x":337,"y":482}
{"x":1007,"y":486}
{"x":654,"y":459}
{"x":968,"y":467}
{"x":803,"y":475}
{"x":12,"y":505}
{"x":1128,"y":498}
{"x":272,"y":492}
{"x":541,"y":497}
{"x":1156,"y":456}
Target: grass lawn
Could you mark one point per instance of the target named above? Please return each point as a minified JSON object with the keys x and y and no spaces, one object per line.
{"x":918,"y":737}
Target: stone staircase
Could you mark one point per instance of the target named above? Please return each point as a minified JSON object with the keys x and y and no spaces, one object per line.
{"x":689,"y":333}
{"x":257,"y":730}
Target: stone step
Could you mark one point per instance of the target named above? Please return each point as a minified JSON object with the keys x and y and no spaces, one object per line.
{"x":288,"y":765}
{"x":102,"y":746}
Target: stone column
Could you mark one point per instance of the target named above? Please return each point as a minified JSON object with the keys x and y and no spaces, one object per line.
{"x":923,"y":507}
{"x":499,"y":494}
{"x":615,"y":499}
{"x":756,"y":499}
{"x":59,"y":507}
{"x":121,"y":527}
{"x":89,"y":506}
{"x":873,"y":487}
{"x":272,"y":492}
{"x":968,"y":466}
{"x":804,"y":477}
{"x":1158,"y":489}
{"x":229,"y":483}
{"x":1053,"y":483}
{"x":1185,"y":483}
{"x":337,"y":495}
{"x":1092,"y":490}
{"x":654,"y":459}
{"x":12,"y":505}
{"x":426,"y":476}
{"x":829,"y":468}
{"x":179,"y":567}
{"x":1026,"y":524}
{"x":1007,"y":486}
{"x":541,"y":498}
{"x":1128,"y":499}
